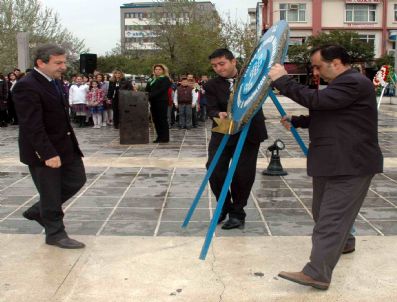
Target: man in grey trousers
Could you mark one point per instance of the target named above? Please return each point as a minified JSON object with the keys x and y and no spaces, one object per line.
{"x":343,"y":155}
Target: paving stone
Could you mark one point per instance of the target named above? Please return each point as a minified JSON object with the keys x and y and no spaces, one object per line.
{"x":291,"y":228}
{"x":129,"y":228}
{"x":20,"y":226}
{"x":194,"y":228}
{"x":134,"y":214}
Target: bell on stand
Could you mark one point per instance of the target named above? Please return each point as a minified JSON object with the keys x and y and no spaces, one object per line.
{"x":275,"y":168}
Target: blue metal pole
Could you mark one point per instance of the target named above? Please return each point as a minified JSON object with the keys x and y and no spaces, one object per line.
{"x":293,"y":130}
{"x":224,"y":191}
{"x":206,"y":178}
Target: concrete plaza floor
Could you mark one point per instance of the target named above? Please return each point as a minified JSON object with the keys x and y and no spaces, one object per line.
{"x":130,"y":211}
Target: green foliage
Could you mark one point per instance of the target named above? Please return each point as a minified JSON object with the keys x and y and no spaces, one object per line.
{"x":42,"y":24}
{"x":358,"y":50}
{"x":126,"y":63}
{"x":384,"y":60}
{"x":239,"y":37}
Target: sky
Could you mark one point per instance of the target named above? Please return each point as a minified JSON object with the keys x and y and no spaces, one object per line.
{"x":98,"y":21}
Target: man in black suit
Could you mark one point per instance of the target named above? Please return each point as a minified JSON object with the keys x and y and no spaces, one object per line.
{"x":47,"y":143}
{"x":343,"y":155}
{"x":217,"y":91}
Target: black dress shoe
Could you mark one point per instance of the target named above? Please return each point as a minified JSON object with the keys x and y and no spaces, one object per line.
{"x":233,"y":223}
{"x":66,"y":243}
{"x":348,"y":249}
{"x":222,"y":217}
{"x":163,"y":140}
{"x":156,"y":141}
{"x":30,"y":216}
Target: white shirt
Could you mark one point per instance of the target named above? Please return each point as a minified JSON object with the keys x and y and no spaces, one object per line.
{"x":43,"y":74}
{"x":78,"y":94}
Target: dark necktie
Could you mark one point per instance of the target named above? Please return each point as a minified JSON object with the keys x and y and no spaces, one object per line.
{"x":56,"y":87}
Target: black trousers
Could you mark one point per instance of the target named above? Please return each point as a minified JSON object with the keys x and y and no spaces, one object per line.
{"x":194,"y":117}
{"x":3,"y":117}
{"x":243,"y":178}
{"x":336,"y":203}
{"x":116,"y":112}
{"x":12,"y":115}
{"x":159,"y":111}
{"x":55,"y":186}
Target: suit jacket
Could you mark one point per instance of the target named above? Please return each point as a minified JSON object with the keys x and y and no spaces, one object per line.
{"x":158,"y":92}
{"x":113,"y":88}
{"x":217,"y":92}
{"x":44,"y":125}
{"x":3,"y":94}
{"x":343,"y":125}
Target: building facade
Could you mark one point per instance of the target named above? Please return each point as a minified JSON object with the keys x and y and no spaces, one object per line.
{"x":139,"y":19}
{"x":374,"y":20}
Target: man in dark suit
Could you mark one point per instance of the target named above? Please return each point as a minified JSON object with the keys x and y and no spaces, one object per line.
{"x":217,"y":91}
{"x":47,"y":143}
{"x":343,"y":155}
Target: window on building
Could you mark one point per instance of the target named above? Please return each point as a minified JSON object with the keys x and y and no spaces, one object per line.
{"x":132,"y":40}
{"x":370,"y":39}
{"x":293,"y":12}
{"x":296,"y":40}
{"x":360,"y":12}
{"x":395,"y":12}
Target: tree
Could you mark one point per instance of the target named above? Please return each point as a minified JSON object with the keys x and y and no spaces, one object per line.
{"x":186,"y":35}
{"x":239,"y":38}
{"x":42,"y":24}
{"x":358,"y":50}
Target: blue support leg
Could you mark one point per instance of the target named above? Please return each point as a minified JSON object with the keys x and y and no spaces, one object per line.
{"x":206,"y":178}
{"x":224,"y":191}
{"x":293,"y":130}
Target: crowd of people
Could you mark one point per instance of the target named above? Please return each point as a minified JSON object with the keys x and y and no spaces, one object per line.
{"x":7,"y":107}
{"x":94,"y":99}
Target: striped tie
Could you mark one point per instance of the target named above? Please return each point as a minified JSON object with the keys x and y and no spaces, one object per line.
{"x":231,"y":81}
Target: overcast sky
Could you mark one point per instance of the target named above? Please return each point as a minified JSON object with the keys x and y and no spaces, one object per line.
{"x":98,"y":21}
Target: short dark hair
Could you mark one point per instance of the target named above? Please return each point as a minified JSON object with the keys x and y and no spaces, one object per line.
{"x":222,"y":52}
{"x":332,"y":51}
{"x":44,"y":52}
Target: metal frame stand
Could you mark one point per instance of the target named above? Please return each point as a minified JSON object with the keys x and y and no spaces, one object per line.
{"x":229,"y":176}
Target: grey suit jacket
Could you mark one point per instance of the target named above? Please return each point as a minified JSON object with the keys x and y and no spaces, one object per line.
{"x":343,"y":125}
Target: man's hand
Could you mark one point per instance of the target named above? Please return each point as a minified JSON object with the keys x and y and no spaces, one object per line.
{"x":286,"y":122}
{"x":54,"y":162}
{"x":222,"y":115}
{"x":277,"y":71}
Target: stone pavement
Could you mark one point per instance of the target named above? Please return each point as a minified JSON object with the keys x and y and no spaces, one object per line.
{"x":132,"y":206}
